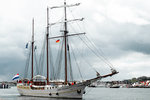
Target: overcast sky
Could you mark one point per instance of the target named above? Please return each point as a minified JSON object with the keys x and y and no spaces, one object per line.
{"x":121,"y":28}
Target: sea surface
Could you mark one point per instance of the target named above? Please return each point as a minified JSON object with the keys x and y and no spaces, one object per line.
{"x":91,"y":94}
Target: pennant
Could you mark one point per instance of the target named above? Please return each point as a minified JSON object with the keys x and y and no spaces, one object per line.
{"x":35,"y":48}
{"x":67,"y":47}
{"x":26,"y":45}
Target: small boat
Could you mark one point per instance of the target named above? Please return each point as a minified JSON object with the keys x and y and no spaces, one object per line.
{"x":115,"y":86}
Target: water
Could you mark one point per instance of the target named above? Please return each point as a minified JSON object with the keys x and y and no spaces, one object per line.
{"x":91,"y":94}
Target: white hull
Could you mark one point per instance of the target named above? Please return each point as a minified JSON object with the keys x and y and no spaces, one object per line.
{"x":73,"y":91}
{"x":58,"y":91}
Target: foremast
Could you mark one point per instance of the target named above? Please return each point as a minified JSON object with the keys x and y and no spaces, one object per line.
{"x":66,"y":45}
{"x":65,"y":36}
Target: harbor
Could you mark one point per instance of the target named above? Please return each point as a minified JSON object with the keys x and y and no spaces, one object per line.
{"x":140,"y":82}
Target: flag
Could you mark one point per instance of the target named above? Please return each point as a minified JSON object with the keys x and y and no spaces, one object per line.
{"x":15,"y":77}
{"x":26,"y":45}
{"x":35,"y":48}
{"x":58,"y":41}
{"x":68,"y":47}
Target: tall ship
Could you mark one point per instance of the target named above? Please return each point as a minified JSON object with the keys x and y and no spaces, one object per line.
{"x":59,"y":81}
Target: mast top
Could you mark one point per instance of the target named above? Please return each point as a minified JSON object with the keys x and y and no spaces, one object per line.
{"x":33,"y":30}
{"x":62,"y":6}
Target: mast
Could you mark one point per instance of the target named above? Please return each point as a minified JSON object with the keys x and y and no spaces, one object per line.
{"x":65,"y":31}
{"x":47,"y":35}
{"x":65,"y":36}
{"x":32,"y":48}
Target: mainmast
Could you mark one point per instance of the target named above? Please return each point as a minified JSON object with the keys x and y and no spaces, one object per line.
{"x":65,"y":31}
{"x":47,"y":36}
{"x":65,"y":36}
{"x":32,"y":48}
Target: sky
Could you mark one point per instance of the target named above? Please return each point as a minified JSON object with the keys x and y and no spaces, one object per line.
{"x":120,"y":28}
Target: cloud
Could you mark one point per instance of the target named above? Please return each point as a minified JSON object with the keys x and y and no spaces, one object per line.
{"x":138,"y":47}
{"x":123,"y":14}
{"x":133,"y":65}
{"x":119,"y":28}
{"x":122,"y":11}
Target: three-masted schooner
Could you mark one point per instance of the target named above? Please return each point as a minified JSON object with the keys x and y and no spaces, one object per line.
{"x":43,"y":87}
